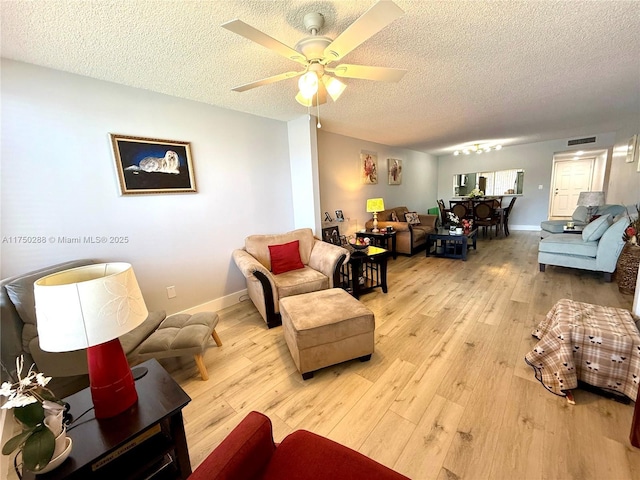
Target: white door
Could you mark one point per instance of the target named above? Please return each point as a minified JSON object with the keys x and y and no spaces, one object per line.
{"x":570,"y":178}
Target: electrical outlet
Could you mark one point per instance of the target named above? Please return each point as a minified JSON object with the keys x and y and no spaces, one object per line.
{"x":540,"y":187}
{"x":171,"y":292}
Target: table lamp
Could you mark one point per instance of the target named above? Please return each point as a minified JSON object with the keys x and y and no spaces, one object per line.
{"x":375,"y":205}
{"x":90,"y":307}
{"x":591,"y":200}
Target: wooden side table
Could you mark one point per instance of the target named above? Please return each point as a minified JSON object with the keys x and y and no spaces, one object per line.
{"x":380,"y":239}
{"x":365,"y":270}
{"x":146,"y":441}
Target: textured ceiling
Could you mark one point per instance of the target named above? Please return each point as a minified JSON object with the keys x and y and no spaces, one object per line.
{"x":514,"y":72}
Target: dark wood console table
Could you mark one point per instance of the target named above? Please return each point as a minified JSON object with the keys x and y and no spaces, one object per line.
{"x":146,"y":441}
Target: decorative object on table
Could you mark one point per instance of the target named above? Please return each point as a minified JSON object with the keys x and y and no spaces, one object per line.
{"x":327,"y":217}
{"x":331,"y":235}
{"x":149,"y":165}
{"x":43,"y":437}
{"x":591,"y":200}
{"x":394,"y":170}
{"x":476,"y":193}
{"x":571,"y":225}
{"x":467,"y":225}
{"x":375,"y":205}
{"x":369,"y":168}
{"x":631,"y":149}
{"x":339,"y":216}
{"x":90,"y":307}
{"x":454,"y":221}
{"x":629,"y":259}
{"x":359,"y":243}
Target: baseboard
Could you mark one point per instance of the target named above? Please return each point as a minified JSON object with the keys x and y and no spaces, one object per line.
{"x":217,"y":304}
{"x":530,"y":228}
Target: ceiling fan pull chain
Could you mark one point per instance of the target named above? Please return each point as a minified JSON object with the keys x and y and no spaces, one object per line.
{"x":318,"y":108}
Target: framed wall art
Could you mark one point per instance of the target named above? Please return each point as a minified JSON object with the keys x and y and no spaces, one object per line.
{"x":151,"y":165}
{"x":369,"y":168}
{"x":394,"y":170}
{"x":632,"y":148}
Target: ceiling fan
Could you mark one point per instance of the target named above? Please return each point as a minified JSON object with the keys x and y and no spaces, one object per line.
{"x":315,"y":53}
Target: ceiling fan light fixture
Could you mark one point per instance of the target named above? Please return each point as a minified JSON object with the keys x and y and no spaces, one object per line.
{"x":308,"y":85}
{"x":334,"y":86}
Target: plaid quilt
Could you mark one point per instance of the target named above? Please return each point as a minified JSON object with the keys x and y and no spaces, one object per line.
{"x":595,"y":344}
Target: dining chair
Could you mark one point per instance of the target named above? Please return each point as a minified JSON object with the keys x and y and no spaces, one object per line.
{"x":460,"y":210}
{"x":443,"y":212}
{"x":485,"y":216}
{"x":505,"y":218}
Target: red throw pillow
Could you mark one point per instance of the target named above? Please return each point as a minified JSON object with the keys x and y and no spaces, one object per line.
{"x":285,"y":257}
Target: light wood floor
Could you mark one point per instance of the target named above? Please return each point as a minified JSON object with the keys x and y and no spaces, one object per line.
{"x":447,"y":394}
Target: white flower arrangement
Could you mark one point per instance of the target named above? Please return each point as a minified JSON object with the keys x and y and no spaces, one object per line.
{"x":476,"y":192}
{"x":453,"y":218}
{"x":26,"y":390}
{"x":31,"y":402}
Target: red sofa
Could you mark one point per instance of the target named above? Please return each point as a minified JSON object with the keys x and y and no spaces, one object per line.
{"x":249,"y":452}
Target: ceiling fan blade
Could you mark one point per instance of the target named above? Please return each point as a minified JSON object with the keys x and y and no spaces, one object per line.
{"x":266,"y":81}
{"x":370,"y":22}
{"x":381,"y":74}
{"x":255,"y":35}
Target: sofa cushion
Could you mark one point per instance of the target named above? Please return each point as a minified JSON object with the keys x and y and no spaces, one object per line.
{"x":580,"y":214}
{"x":258,"y":245}
{"x":285,"y":257}
{"x":412,"y":218}
{"x":304,"y":280}
{"x":568,"y":243}
{"x":20,"y":291}
{"x":553,"y":226}
{"x":612,"y":210}
{"x":593,"y":231}
{"x":319,"y":457}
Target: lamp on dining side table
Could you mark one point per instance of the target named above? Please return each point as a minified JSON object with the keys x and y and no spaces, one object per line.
{"x":375,"y":205}
{"x":90,"y":307}
{"x":591,"y":200}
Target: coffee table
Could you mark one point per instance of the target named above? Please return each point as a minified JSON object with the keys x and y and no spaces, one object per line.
{"x":453,"y":246}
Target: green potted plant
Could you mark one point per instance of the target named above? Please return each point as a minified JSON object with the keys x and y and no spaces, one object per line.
{"x":32,"y":404}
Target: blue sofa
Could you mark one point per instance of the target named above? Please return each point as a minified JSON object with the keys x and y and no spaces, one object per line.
{"x":579,"y":218}
{"x":597,"y":248}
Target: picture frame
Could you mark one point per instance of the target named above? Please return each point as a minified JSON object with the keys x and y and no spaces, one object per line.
{"x":339,"y":216}
{"x":394,"y":171}
{"x":369,"y":168}
{"x":631,"y":149}
{"x":152,"y":165}
{"x":331,"y":235}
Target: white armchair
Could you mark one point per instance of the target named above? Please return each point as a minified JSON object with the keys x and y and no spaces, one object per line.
{"x":319,"y":262}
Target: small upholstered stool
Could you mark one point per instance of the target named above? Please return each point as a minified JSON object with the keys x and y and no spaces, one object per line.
{"x":182,"y":334}
{"x":325,"y":328}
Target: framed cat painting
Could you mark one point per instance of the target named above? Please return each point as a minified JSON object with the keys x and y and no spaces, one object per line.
{"x":151,"y":165}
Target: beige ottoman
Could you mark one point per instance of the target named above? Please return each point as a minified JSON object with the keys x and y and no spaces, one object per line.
{"x":182,"y":334}
{"x":326,"y":327}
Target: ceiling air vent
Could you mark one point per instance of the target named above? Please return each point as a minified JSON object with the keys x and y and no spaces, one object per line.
{"x":580,"y":141}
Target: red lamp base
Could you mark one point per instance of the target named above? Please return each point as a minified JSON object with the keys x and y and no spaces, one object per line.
{"x":112,"y":387}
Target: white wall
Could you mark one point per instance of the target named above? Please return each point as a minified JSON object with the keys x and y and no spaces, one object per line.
{"x":59,"y":179}
{"x":341,"y":187}
{"x":624,"y":179}
{"x":537,"y":161}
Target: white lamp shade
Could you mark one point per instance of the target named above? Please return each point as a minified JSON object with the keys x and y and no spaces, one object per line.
{"x":591,"y":199}
{"x":375,"y":205}
{"x":87,"y":306}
